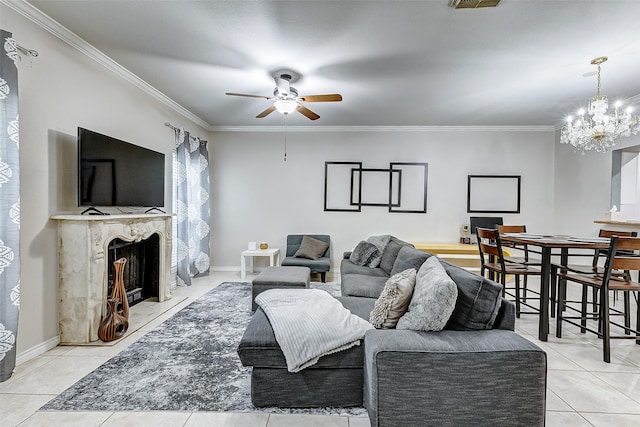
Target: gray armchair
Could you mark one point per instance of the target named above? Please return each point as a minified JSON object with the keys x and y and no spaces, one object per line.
{"x":320,"y":265}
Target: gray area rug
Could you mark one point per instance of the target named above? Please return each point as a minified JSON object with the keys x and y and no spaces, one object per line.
{"x":188,"y":363}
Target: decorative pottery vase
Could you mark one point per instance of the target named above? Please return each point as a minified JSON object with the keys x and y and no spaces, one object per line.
{"x":114,"y":325}
{"x":118,"y":293}
{"x":264,"y":246}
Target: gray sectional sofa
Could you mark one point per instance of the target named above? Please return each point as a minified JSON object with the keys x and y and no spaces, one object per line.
{"x":475,"y":372}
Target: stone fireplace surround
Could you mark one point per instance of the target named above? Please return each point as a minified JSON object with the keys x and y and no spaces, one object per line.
{"x":83,"y":242}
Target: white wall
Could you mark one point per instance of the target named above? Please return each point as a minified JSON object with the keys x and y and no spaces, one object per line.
{"x":258,"y":197}
{"x":60,"y":90}
{"x":582,"y":188}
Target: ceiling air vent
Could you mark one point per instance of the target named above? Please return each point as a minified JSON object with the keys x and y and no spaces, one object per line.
{"x":472,"y":4}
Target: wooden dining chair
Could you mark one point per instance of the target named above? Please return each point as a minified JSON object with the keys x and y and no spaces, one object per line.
{"x":524,"y":250}
{"x":595,"y":266}
{"x":621,"y":257}
{"x":492,"y":260}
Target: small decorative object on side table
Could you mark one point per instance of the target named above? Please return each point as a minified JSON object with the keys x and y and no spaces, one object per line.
{"x":264,"y":245}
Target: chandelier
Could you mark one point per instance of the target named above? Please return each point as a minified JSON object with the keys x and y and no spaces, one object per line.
{"x":601,"y":130}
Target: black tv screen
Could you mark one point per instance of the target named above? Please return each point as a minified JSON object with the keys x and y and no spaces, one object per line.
{"x":491,"y":222}
{"x":112,"y":172}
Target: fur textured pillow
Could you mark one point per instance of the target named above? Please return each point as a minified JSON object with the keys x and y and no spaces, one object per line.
{"x":393,"y":300}
{"x":381,"y":243}
{"x":311,"y":248}
{"x":363,"y":252}
{"x":433,"y":300}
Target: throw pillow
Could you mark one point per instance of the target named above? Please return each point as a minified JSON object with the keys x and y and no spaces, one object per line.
{"x":381,"y":243}
{"x":409,"y":257}
{"x":393,"y":300}
{"x":363,"y":252}
{"x":433,"y":300}
{"x":311,"y":248}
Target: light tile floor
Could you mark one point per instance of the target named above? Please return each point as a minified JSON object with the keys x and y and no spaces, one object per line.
{"x":582,"y":390}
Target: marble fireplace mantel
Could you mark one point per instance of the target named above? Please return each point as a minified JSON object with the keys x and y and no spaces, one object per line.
{"x":83,"y":242}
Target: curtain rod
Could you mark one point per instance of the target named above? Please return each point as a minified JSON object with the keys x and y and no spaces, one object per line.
{"x":29,"y":52}
{"x":169,"y":125}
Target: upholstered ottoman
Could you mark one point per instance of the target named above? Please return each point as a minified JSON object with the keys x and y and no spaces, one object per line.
{"x":279,"y":278}
{"x":336,"y":380}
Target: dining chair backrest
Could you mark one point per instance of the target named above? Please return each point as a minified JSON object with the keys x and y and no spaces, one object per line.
{"x":512,"y":229}
{"x":623,"y":254}
{"x":489,"y":245}
{"x":608,"y":234}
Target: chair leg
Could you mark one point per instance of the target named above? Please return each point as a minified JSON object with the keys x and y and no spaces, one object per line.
{"x":604,"y":317}
{"x":638,"y":318}
{"x":627,"y":313}
{"x":561,"y":301}
{"x":517,"y":295}
{"x":524,"y":289}
{"x":583,"y":311}
{"x":553,"y":296}
{"x":595,"y":299}
{"x":323,"y":277}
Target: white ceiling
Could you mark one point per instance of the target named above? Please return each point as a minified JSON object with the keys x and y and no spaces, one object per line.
{"x":396,"y":63}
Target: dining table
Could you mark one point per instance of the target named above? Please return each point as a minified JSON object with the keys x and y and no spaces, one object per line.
{"x":547,"y":243}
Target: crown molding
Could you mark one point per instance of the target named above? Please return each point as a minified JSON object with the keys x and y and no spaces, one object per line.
{"x":58,"y":30}
{"x":383,"y":129}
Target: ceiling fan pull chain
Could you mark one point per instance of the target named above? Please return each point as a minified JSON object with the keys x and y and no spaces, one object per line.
{"x":285,"y":137}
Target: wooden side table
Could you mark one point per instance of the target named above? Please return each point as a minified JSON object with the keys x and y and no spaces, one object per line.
{"x":272,"y":253}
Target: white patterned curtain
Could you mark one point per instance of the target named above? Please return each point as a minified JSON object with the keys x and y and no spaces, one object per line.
{"x":9,"y":205}
{"x":191,"y":187}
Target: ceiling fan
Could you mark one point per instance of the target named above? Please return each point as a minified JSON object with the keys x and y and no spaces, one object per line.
{"x":286,"y":100}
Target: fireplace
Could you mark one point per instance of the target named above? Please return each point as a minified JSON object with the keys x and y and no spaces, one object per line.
{"x":141,"y":272}
{"x":87,"y":247}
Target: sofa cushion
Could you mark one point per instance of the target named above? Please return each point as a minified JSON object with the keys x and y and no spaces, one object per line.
{"x":478,"y":301}
{"x":433,"y":300}
{"x":359,"y":306}
{"x":381,"y":243}
{"x":409,"y":257}
{"x":347,"y":267}
{"x":320,"y":265}
{"x":363,"y":253}
{"x":311,"y":248}
{"x":391,"y":252}
{"x":360,"y":285}
{"x":394,"y":299}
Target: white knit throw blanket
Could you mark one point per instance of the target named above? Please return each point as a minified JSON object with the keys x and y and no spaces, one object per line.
{"x":309,"y":324}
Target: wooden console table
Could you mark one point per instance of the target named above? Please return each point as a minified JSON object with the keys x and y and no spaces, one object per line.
{"x":462,"y":255}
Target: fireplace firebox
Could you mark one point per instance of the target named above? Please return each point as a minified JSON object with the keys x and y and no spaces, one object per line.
{"x":141,"y":273}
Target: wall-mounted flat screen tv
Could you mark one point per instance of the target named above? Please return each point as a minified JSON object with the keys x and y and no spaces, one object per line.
{"x":112,"y":172}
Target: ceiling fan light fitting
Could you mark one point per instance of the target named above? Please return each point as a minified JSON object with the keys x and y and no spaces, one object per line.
{"x":285,"y":106}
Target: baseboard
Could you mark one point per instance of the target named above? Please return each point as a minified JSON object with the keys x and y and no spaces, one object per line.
{"x":334,"y":274}
{"x":224,"y":268}
{"x":37,"y":350}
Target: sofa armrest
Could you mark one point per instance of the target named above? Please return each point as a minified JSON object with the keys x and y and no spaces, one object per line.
{"x":506,"y":318}
{"x":492,"y":377}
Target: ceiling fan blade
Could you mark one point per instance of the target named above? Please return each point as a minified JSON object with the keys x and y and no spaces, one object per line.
{"x":266,"y":112}
{"x":248,"y":96}
{"x":308,"y":113}
{"x":322,"y":98}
